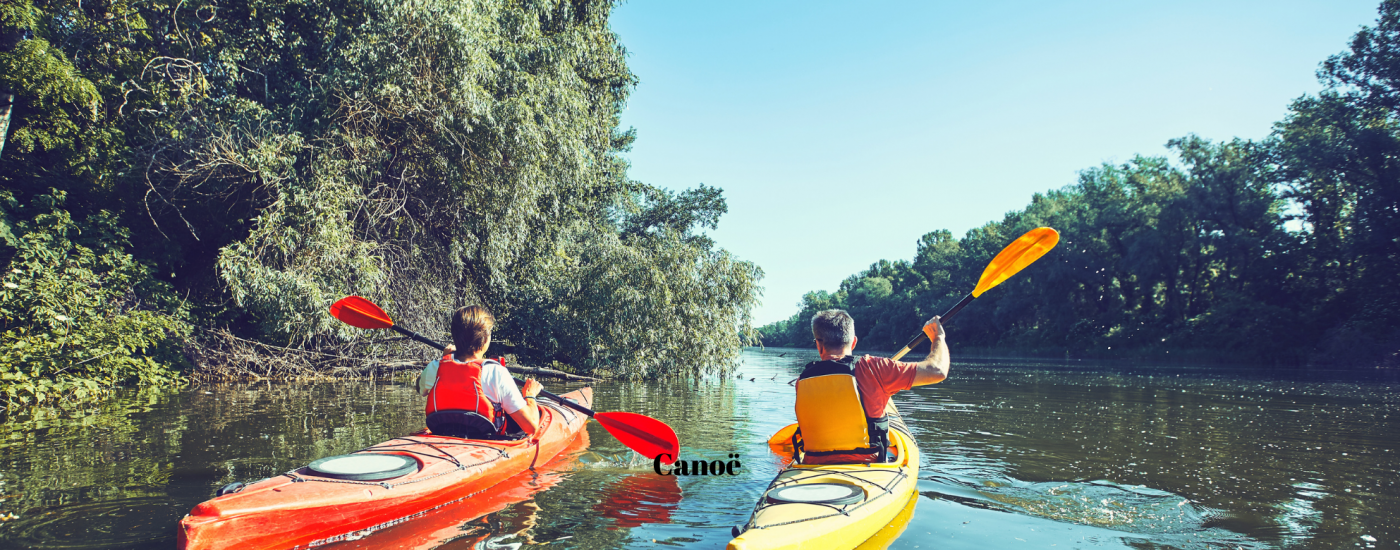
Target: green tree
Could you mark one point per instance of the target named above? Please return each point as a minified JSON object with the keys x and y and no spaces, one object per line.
{"x":269,"y":157}
{"x":78,"y":314}
{"x":1223,"y":248}
{"x":1337,"y":160}
{"x":474,"y":157}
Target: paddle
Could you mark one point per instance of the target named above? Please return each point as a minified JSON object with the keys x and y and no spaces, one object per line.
{"x":1012,"y":259}
{"x":643,"y":434}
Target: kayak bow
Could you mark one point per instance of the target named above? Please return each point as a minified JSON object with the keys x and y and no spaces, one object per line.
{"x":865,"y":500}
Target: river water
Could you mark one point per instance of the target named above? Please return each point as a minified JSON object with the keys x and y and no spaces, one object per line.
{"x":1015,"y":455}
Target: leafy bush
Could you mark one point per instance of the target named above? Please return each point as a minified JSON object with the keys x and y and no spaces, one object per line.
{"x":274,"y":156}
{"x":78,"y":314}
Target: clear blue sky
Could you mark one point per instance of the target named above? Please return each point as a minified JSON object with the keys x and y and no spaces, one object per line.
{"x":842,"y":131}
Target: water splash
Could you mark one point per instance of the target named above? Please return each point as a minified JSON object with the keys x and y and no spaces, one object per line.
{"x":630,"y":461}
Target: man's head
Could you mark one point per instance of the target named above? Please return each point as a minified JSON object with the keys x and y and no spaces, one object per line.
{"x":834,"y":330}
{"x":471,"y":329}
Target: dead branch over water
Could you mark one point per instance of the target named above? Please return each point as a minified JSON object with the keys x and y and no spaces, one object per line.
{"x":223,"y":357}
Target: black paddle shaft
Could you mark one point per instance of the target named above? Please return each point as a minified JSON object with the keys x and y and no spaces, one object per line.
{"x":423,"y":339}
{"x":921,"y":337}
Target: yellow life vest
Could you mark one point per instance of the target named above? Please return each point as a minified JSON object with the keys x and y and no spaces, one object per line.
{"x":830,"y":416}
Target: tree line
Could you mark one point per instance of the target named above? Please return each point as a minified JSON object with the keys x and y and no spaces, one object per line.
{"x":186,"y":187}
{"x":1284,"y":250}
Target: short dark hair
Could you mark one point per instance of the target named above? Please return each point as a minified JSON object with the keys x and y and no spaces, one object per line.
{"x":834,"y":328}
{"x":471,"y":328}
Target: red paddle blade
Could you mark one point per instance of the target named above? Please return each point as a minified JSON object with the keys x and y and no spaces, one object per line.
{"x":643,"y":434}
{"x":360,"y":313}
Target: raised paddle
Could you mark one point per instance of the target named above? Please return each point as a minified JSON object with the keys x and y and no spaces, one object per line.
{"x":1015,"y":257}
{"x":643,"y":434}
{"x":1012,"y":259}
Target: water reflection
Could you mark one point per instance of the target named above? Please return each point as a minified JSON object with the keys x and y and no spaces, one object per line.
{"x":1013,"y":454}
{"x":886,"y":536}
{"x":640,"y":499}
{"x":118,"y":523}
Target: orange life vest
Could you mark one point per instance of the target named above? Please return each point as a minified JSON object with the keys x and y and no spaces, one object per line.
{"x":830,"y":415}
{"x":458,"y":388}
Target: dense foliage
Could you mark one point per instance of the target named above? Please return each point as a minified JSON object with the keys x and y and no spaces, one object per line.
{"x":1285,"y":250}
{"x":74,"y":316}
{"x":268,"y":157}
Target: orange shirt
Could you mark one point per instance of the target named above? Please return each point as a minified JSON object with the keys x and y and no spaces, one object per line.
{"x":879,"y":378}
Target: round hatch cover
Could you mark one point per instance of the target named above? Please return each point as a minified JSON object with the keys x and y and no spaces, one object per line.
{"x":836,"y":494}
{"x":365,"y":466}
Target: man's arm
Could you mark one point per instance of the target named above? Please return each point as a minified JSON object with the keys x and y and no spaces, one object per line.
{"x":934,"y":368}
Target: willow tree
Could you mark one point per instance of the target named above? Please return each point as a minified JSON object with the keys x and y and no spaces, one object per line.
{"x":271,"y":156}
{"x":471,"y":154}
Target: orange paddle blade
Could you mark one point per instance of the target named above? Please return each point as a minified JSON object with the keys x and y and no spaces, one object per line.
{"x":1016,"y":256}
{"x":644,"y":434}
{"x":781,"y":442}
{"x":360,"y":313}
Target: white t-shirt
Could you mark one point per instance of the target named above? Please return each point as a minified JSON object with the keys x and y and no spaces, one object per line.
{"x":496,"y":383}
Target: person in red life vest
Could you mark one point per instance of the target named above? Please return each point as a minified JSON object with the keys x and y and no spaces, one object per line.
{"x":471,"y":396}
{"x":841,"y":401}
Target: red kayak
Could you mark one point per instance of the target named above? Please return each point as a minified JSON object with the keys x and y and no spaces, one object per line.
{"x":464,"y":524}
{"x":347,"y":497}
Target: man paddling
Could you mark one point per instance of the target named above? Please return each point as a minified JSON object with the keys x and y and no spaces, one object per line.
{"x":467,"y":393}
{"x":841,"y":401}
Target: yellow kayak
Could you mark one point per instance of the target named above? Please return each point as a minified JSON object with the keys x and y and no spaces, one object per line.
{"x":860,"y":502}
{"x":886,"y":536}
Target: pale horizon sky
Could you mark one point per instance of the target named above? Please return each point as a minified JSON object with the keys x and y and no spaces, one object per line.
{"x":842,"y":132}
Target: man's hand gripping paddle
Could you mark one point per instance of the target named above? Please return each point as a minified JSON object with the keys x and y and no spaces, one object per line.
{"x":1012,"y":259}
{"x":643,"y":434}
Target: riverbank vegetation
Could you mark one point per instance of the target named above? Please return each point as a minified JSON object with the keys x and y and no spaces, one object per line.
{"x":187,"y":187}
{"x":1279,"y":251}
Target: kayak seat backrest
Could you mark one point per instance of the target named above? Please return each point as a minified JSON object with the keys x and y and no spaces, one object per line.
{"x":462,"y":423}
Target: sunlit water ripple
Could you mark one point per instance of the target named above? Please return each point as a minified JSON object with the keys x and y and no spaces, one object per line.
{"x":1015,"y":454}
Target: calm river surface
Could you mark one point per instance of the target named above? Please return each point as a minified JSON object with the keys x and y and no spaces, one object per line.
{"x":1015,"y":455}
